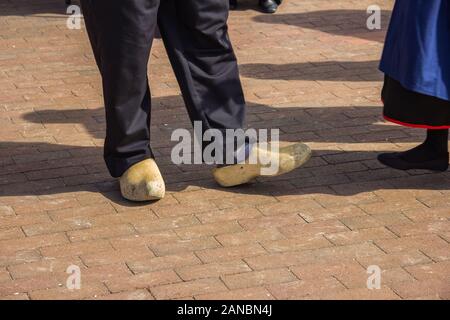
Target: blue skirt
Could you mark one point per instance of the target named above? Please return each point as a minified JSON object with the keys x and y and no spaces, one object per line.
{"x":416,"y":60}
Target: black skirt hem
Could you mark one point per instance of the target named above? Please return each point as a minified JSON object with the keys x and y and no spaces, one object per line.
{"x":413,"y":109}
{"x":413,"y":125}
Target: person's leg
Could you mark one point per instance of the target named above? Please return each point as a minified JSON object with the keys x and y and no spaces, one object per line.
{"x":121,"y":34}
{"x":195,"y":34}
{"x":437,"y":141}
{"x":432,"y":154}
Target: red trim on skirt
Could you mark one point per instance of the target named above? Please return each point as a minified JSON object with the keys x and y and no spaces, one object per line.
{"x":421,"y":126}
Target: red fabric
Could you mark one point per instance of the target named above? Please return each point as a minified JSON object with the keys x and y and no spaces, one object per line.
{"x":422,"y":126}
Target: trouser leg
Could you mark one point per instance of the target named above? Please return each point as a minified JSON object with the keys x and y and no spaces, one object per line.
{"x":195,"y":34}
{"x":121,"y":33}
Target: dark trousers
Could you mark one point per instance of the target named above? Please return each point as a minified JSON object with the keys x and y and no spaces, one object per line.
{"x":196,"y":39}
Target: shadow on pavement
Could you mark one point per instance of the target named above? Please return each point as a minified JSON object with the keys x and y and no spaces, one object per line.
{"x":342,"y":22}
{"x":315,"y":71}
{"x":33,"y":7}
{"x":39,"y":168}
{"x":45,"y":168}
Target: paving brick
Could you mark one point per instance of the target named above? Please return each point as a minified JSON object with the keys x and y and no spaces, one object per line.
{"x":416,"y":289}
{"x":19,"y":257}
{"x":16,"y":296}
{"x":442,"y":296}
{"x":314,"y":228}
{"x":430,"y":214}
{"x":242,"y":201}
{"x":43,"y":267}
{"x":81,"y":212}
{"x":358,"y":277}
{"x":52,"y":204}
{"x":142,"y":281}
{"x":128,"y":295}
{"x":256,"y":293}
{"x":12,"y":233}
{"x":420,"y":242}
{"x":258,"y":278}
{"x":331,"y":269}
{"x":440,"y":270}
{"x":201,"y":195}
{"x":6,"y":211}
{"x":11,"y":287}
{"x":130,"y":217}
{"x":30,"y":243}
{"x":433,"y":202}
{"x":90,"y":291}
{"x":4,"y":275}
{"x":431,"y":245}
{"x":302,"y":289}
{"x":101,"y":232}
{"x":296,"y":244}
{"x":288,"y":259}
{"x":393,"y":276}
{"x":104,"y":273}
{"x":211,"y":229}
{"x":165,"y":224}
{"x":384,"y":293}
{"x":182,"y":210}
{"x":186,"y":289}
{"x":332,"y":213}
{"x":361,"y":222}
{"x":391,"y":219}
{"x":121,"y":205}
{"x":228,"y":215}
{"x":180,"y":246}
{"x":393,"y":207}
{"x":433,"y":227}
{"x":76,"y":249}
{"x":387,"y":261}
{"x":246,"y":237}
{"x":143,"y":239}
{"x":271,"y":221}
{"x":47,"y":228}
{"x":211,"y":270}
{"x":329,"y":200}
{"x":162,"y":263}
{"x":445,"y":236}
{"x":350,"y":237}
{"x":230,"y":253}
{"x":287,"y":207}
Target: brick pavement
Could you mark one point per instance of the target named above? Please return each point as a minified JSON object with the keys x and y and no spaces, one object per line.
{"x":309,"y":70}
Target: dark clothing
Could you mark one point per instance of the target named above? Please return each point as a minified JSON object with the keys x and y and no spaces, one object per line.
{"x":432,"y":154}
{"x":414,"y":109}
{"x":195,"y":35}
{"x":417,"y":48}
{"x":416,"y":63}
